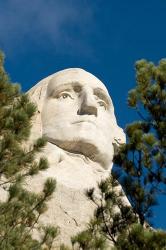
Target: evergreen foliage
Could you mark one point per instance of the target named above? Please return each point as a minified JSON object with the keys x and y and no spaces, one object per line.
{"x":140,"y":168}
{"x":20,"y":209}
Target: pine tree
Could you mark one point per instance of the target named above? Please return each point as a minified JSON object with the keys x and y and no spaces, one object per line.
{"x":140,"y":168}
{"x":20,"y":209}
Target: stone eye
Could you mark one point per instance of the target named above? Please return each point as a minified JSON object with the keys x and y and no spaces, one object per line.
{"x":64,"y":96}
{"x":102,"y":104}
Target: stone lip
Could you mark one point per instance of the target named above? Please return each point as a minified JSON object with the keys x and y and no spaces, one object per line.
{"x":88,"y":121}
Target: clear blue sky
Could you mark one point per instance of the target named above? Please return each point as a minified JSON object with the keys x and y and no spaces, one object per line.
{"x":105,"y":37}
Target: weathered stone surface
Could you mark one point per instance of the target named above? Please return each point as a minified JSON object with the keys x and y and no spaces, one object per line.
{"x":76,"y":115}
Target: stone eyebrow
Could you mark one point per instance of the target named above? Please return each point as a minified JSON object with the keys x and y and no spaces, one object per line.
{"x":76,"y":86}
{"x":102,"y":95}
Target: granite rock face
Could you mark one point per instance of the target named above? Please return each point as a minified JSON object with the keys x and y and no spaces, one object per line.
{"x":76,"y":116}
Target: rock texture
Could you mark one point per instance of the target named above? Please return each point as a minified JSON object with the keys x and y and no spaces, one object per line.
{"x":76,"y":115}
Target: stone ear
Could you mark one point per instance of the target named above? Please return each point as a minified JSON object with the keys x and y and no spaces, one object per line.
{"x":120,"y":136}
{"x":118,"y":139}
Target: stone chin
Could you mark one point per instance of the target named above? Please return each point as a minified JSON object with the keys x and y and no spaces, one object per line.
{"x":95,"y":150}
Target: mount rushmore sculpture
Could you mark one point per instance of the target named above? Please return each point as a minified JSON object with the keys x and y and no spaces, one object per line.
{"x":76,"y":116}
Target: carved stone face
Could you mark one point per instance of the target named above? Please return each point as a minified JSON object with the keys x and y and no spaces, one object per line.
{"x":78,"y":115}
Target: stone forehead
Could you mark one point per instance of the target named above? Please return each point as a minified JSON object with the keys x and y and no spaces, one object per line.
{"x":77,"y":74}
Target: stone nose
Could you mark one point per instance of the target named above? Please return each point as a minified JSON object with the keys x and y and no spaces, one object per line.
{"x":87,"y":105}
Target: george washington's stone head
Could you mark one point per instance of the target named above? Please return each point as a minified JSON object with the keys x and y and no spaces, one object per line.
{"x":76,"y":113}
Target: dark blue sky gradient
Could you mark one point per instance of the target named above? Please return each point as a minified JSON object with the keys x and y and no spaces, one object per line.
{"x":105,"y":38}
